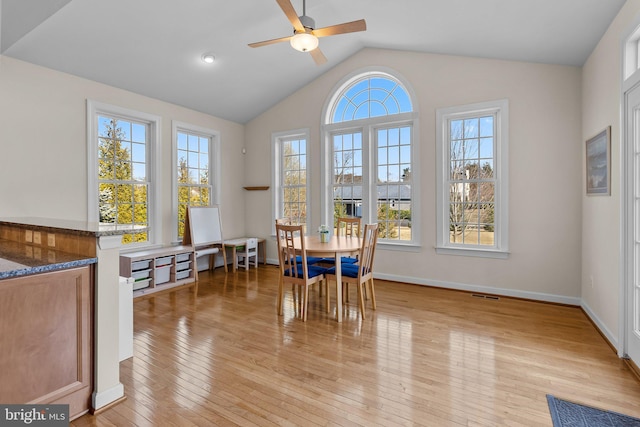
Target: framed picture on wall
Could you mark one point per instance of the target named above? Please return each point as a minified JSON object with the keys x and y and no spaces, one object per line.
{"x":598,"y":156}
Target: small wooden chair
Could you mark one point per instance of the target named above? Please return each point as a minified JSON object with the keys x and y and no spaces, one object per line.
{"x":250,"y":250}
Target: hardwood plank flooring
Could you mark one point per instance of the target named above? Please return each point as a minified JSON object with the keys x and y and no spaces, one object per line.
{"x":426,"y":356}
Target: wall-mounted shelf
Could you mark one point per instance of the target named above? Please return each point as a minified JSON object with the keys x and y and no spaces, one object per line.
{"x":258,"y":188}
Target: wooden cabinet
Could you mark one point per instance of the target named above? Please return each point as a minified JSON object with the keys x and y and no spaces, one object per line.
{"x":45,"y":334}
{"x":160,"y":269}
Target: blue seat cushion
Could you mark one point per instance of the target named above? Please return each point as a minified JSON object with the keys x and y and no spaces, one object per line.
{"x":310,"y":259}
{"x":313,"y":270}
{"x":349,"y":270}
{"x":343,"y":260}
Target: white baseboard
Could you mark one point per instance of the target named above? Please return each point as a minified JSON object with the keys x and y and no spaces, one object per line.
{"x":601,"y":326}
{"x":537,"y":296}
{"x":108,"y":396}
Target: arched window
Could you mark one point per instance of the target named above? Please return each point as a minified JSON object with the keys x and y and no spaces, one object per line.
{"x":370,"y":155}
{"x":371,"y":96}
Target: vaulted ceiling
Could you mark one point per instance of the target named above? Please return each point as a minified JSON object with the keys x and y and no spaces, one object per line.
{"x":154,"y":47}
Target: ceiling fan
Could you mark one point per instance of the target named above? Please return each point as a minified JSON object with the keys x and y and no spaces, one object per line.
{"x":305,"y":35}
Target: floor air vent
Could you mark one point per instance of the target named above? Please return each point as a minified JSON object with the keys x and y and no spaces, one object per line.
{"x":493,"y":297}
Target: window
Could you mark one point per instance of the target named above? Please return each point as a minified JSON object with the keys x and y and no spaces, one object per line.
{"x":472,"y":179}
{"x":121,"y":172}
{"x":368,"y":156}
{"x":631,"y":54}
{"x":290,"y":176}
{"x":196,"y":151}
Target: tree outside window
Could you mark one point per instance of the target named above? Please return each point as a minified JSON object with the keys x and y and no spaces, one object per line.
{"x":193,"y":173}
{"x":122,"y":177}
{"x":472,"y":173}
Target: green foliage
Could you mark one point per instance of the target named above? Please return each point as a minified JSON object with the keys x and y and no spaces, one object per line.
{"x":120,"y":201}
{"x":404,"y":214}
{"x":339,"y":211}
{"x":489,"y":218}
{"x":386,"y":215}
{"x":191,"y":192}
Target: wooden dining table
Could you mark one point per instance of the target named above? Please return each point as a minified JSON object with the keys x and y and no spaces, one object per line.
{"x":337,"y":246}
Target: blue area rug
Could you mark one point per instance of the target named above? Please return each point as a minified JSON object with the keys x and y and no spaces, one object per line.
{"x":569,"y":414}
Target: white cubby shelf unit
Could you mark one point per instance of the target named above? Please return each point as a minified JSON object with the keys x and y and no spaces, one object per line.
{"x":159,"y":269}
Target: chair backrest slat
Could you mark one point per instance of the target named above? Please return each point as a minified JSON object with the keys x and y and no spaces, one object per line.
{"x":368,"y":249}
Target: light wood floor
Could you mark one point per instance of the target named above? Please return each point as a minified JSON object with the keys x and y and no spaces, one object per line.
{"x":427,"y":356}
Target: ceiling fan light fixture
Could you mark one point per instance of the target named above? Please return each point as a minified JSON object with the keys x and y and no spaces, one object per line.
{"x":304,"y":42}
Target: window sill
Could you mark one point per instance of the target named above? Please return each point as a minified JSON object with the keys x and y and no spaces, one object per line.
{"x":396,"y":246}
{"x":482,"y":253}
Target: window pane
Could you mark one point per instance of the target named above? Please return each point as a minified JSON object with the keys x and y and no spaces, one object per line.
{"x":139,"y":171}
{"x":123,"y":130}
{"x":469,"y":174}
{"x":293,"y":181}
{"x":138,"y":152}
{"x":486,"y":148}
{"x":193,"y":169}
{"x":182,"y":141}
{"x":389,"y":162}
{"x":471,"y":128}
{"x":486,"y":126}
{"x":138,"y":133}
{"x":371,"y":97}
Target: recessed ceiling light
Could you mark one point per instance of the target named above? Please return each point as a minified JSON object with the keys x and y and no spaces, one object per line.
{"x":208,"y":58}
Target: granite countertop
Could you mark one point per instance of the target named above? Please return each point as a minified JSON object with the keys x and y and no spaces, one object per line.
{"x":74,"y":227}
{"x":19,"y":259}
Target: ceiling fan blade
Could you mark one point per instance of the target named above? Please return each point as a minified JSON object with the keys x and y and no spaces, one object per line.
{"x":291,"y":13}
{"x":268,"y":42}
{"x":347,"y":27}
{"x":318,"y":56}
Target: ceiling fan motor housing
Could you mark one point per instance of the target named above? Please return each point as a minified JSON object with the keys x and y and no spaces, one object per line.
{"x":307,"y":22}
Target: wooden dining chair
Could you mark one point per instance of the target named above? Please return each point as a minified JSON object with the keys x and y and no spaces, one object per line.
{"x":298,"y":274}
{"x":351,"y":225}
{"x":345,"y":226}
{"x":311,"y":259}
{"x":361,"y":274}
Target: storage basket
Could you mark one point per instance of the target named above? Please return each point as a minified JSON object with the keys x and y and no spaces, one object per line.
{"x":182,"y":265}
{"x":163,"y":274}
{"x":183,"y":274}
{"x":165,"y":260}
{"x":183,"y":257}
{"x":141,"y":265}
{"x":140,"y":274}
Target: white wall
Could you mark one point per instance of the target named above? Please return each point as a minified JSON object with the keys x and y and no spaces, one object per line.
{"x":43,"y":160}
{"x":601,"y":83}
{"x":545,"y":168}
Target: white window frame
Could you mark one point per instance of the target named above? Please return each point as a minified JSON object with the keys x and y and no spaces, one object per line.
{"x":369,"y":127}
{"x":95,"y":108}
{"x":500,"y":110}
{"x":214,"y":167}
{"x":277,"y":138}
